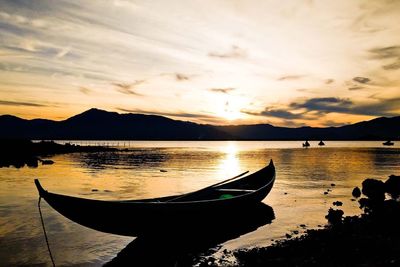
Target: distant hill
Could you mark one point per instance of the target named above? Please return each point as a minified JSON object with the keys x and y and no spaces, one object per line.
{"x":376,"y":129}
{"x":96,"y":124}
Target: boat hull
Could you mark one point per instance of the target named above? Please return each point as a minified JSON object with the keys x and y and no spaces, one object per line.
{"x":135,"y":217}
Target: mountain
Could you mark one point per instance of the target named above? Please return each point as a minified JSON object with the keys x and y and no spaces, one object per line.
{"x":95,"y":124}
{"x":376,"y":129}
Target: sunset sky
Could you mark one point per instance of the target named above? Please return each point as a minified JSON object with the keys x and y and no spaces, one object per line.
{"x":288,"y":63}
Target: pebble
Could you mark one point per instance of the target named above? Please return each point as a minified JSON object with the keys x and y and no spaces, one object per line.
{"x":337,"y":203}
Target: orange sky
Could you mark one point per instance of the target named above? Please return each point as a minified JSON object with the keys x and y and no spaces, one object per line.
{"x":289,"y":63}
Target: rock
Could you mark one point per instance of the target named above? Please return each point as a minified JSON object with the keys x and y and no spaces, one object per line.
{"x":288,"y":236}
{"x":337,"y":203}
{"x":95,"y":190}
{"x":47,"y":162}
{"x":356,"y":192}
{"x":333,"y":184}
{"x":392,"y":186}
{"x":32,"y":162}
{"x":334,"y":217}
{"x":373,"y":189}
{"x":295,"y":232}
{"x":325,"y":193}
{"x":163,"y":170}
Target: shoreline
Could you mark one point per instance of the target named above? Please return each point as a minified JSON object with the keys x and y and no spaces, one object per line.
{"x":20,"y":152}
{"x":371,"y":239}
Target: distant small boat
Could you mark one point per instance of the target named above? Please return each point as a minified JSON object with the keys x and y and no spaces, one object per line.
{"x":306,"y":144}
{"x":388,"y":143}
{"x":321,"y":143}
{"x":135,"y":217}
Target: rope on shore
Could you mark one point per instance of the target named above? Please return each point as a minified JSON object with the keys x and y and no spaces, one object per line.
{"x":45,"y":234}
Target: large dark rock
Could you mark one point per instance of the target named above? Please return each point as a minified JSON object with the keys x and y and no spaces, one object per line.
{"x":373,"y":189}
{"x":392,"y":186}
{"x":334,"y":217}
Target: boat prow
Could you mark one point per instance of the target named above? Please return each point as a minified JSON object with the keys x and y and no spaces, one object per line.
{"x":40,"y":188}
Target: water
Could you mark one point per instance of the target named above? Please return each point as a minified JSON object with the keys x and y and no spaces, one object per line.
{"x":303,"y":175}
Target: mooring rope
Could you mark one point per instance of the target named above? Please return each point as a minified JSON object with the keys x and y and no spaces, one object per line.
{"x":45,"y":234}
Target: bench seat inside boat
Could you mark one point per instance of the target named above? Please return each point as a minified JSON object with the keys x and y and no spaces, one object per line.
{"x":229,"y":190}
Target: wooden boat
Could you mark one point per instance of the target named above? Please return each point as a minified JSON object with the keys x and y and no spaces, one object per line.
{"x":388,"y":143}
{"x":135,"y":217}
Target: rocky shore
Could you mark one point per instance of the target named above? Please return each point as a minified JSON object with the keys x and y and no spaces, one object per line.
{"x":372,"y":239}
{"x":18,"y":153}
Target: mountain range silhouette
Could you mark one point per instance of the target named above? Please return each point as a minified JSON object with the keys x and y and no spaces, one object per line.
{"x":96,"y":124}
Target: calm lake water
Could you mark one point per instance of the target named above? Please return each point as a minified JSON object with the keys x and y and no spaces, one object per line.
{"x":303,"y":175}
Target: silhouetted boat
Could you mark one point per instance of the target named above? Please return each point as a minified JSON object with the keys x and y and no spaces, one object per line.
{"x":134,"y":217}
{"x":306,"y":144}
{"x":321,"y":143}
{"x":388,"y":143}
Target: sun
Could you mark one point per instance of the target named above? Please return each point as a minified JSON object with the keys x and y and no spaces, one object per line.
{"x":230,"y":108}
{"x":230,"y":115}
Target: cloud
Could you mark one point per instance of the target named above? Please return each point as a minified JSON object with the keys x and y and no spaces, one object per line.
{"x":361,"y":79}
{"x":85,"y":90}
{"x":235,"y":52}
{"x":392,"y":66}
{"x":178,"y":76}
{"x":280,"y":113}
{"x":329,"y":81}
{"x":277,"y":113}
{"x":331,"y":123}
{"x":389,"y":52}
{"x":127,"y":88}
{"x":323,"y":104}
{"x":64,"y":51}
{"x":380,"y":107}
{"x":291,"y":123}
{"x":290,"y":77}
{"x":181,"y":77}
{"x":385,"y":52}
{"x":18,"y":103}
{"x":353,"y":88}
{"x":222,"y":90}
{"x":171,"y":114}
{"x":313,"y":108}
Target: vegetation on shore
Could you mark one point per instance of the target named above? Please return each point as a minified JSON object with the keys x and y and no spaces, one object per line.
{"x":21,"y":152}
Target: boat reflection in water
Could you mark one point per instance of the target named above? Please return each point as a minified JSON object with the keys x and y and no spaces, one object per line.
{"x":185,"y":240}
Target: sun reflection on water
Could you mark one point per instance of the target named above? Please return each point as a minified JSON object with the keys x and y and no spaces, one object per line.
{"x":229,"y":164}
